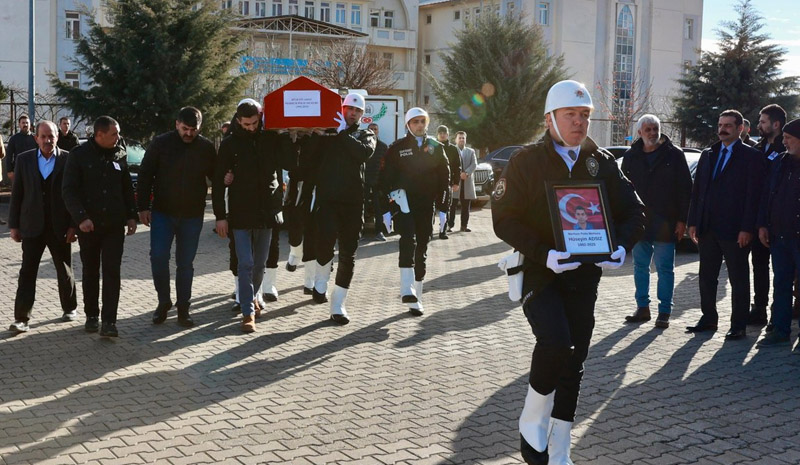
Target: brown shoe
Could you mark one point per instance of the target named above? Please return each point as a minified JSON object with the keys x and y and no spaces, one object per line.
{"x":257,"y":308}
{"x":640,"y":315}
{"x":248,"y":324}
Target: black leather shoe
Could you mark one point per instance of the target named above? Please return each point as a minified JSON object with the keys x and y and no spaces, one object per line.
{"x":160,"y":315}
{"x":92,"y":324}
{"x":308,"y":290}
{"x":662,"y":321}
{"x":530,"y":455}
{"x":770,"y":327}
{"x":318,"y":297}
{"x":757,"y":316}
{"x":701,"y":327}
{"x":236,"y":308}
{"x":340,"y":319}
{"x":270,"y":297}
{"x":184,"y":319}
{"x":641,"y":314}
{"x":109,"y":329}
{"x":290,"y":268}
{"x":735,"y":334}
{"x":443,"y":235}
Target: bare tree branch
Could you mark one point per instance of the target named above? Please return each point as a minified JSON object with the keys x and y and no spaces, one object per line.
{"x":352,"y":65}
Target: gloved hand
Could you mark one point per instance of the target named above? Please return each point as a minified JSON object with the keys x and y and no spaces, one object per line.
{"x":399,"y":197}
{"x":554,"y":256}
{"x":340,"y":119}
{"x":618,"y":255}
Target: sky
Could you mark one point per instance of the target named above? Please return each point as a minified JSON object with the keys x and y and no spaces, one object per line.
{"x":781,"y":23}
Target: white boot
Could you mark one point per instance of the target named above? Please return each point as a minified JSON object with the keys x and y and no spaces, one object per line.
{"x":321,"y":278}
{"x":442,"y":222}
{"x":310,"y":269}
{"x":236,"y":287}
{"x":559,"y":442}
{"x":387,"y":222}
{"x":407,"y":291}
{"x":416,"y":307}
{"x":534,"y":424}
{"x":268,"y":285}
{"x":295,"y":255}
{"x":338,"y":312}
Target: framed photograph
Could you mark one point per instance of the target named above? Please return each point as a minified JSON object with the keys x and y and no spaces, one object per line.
{"x":581,"y":222}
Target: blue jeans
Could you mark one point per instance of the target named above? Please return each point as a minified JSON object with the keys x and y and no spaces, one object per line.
{"x":252,"y":249}
{"x":186,"y":232}
{"x":785,"y":260}
{"x":663,"y":255}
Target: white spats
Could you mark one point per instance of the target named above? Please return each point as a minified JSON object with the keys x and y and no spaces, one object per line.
{"x":323,"y":274}
{"x":407,"y":291}
{"x":268,"y":284}
{"x":442,"y":222}
{"x":559,"y":443}
{"x":416,"y":307}
{"x":387,"y":222}
{"x":310,"y":269}
{"x":535,"y":419}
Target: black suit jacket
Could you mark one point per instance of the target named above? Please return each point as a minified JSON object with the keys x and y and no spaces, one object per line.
{"x":728,"y":204}
{"x":26,"y":212}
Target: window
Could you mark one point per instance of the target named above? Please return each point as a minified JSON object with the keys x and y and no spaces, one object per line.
{"x":426,"y":99}
{"x":325,"y":12}
{"x":227,"y":4}
{"x":688,"y":29}
{"x":388,"y":19}
{"x":374,"y":18}
{"x":372,"y":58}
{"x":543,"y":13}
{"x":388,"y":60}
{"x":261,"y":9}
{"x":623,"y":74}
{"x":341,"y":13}
{"x":476,"y":12}
{"x":73,"y":25}
{"x":73,"y":78}
{"x":294,"y":8}
{"x":355,"y":15}
{"x":427,"y":19}
{"x":427,"y":59}
{"x":510,"y":8}
{"x":456,"y":15}
{"x":309,"y":10}
{"x":466,"y":15}
{"x":244,"y":8}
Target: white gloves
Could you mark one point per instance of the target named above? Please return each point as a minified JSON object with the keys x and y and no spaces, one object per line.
{"x":618,"y":255}
{"x":340,"y":119}
{"x":399,"y":197}
{"x":554,"y":256}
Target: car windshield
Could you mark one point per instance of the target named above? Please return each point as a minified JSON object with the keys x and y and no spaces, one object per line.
{"x":135,"y":152}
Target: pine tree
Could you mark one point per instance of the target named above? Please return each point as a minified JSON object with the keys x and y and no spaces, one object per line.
{"x":495,"y":80}
{"x":743,"y":75}
{"x":157,"y":57}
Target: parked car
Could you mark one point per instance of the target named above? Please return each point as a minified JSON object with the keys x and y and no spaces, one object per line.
{"x":618,"y":150}
{"x":498,"y":158}
{"x":135,"y":155}
{"x":484,"y":183}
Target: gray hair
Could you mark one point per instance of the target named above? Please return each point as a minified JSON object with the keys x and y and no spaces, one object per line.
{"x":648,"y":119}
{"x":46,"y":122}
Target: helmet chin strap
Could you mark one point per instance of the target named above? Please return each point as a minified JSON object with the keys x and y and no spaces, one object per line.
{"x":560,"y":140}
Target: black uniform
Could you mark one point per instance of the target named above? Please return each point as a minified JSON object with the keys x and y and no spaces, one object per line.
{"x":559,"y":307}
{"x":97,"y":186}
{"x":454,"y":162}
{"x":339,"y":204}
{"x":372,"y":194}
{"x":423,"y":172}
{"x":17,"y":144}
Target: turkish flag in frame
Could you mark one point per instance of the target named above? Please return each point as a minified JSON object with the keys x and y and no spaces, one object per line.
{"x":302,"y":103}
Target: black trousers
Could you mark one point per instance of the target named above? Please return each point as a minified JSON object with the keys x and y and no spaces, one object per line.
{"x":342,"y":222}
{"x":761,"y":274}
{"x":101,"y":248}
{"x":712,"y":252}
{"x":443,"y":205}
{"x":274,"y":248}
{"x":465,"y":204}
{"x":373,"y":196}
{"x":309,"y":237}
{"x":294,"y":221}
{"x":32,"y":250}
{"x":415,"y":232}
{"x":561,"y":316}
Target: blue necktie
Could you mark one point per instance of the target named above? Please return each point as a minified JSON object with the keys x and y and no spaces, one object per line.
{"x":572,"y":156}
{"x":720,"y":162}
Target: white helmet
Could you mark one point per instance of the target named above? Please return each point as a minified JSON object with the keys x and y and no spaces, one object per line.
{"x":249,"y":100}
{"x":355,"y":101}
{"x":415,"y":112}
{"x":567,"y":94}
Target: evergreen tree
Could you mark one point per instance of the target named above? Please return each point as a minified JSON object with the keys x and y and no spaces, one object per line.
{"x":495,"y":80}
{"x":157,"y":57}
{"x":743,"y":75}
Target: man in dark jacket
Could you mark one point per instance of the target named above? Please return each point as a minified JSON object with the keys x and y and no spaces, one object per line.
{"x":99,"y":196}
{"x":372,"y":194}
{"x":559,"y":298}
{"x":38,"y":218}
{"x":67,"y":140}
{"x":779,"y":230}
{"x":19,"y":143}
{"x":454,"y":162}
{"x":339,"y":202}
{"x":770,"y":121}
{"x":661,"y":177}
{"x":173,"y":173}
{"x":417,"y":176}
{"x":722,"y":221}
{"x":253,"y":157}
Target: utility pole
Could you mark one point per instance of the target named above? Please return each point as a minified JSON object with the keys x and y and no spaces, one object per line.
{"x":31,"y":66}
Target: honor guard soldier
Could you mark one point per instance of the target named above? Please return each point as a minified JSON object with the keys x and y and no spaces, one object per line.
{"x":559,"y":298}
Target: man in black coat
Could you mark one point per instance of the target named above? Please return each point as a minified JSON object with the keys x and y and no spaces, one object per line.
{"x":722,"y":221}
{"x":173,"y":174}
{"x":99,"y":196}
{"x":454,"y":162}
{"x":770,"y":122}
{"x":38,"y":218}
{"x":67,"y":140}
{"x":372,"y":194}
{"x":661,"y":177}
{"x":19,"y":143}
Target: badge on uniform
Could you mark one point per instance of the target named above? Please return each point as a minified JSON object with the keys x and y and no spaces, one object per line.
{"x":593,"y":166}
{"x":500,"y":189}
{"x":116,"y":166}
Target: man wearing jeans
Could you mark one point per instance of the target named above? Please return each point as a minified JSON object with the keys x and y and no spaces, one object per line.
{"x":661,"y":177}
{"x":171,"y":197}
{"x":779,"y":230}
